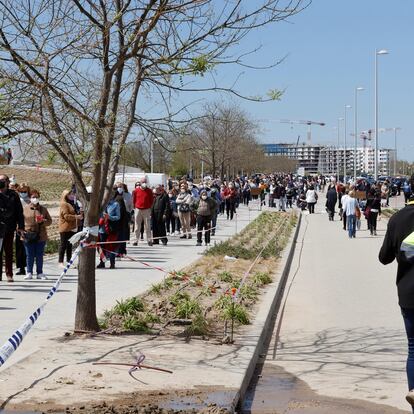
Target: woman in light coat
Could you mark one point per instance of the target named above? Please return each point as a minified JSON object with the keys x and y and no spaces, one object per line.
{"x":311,"y":199}
{"x":184,"y":201}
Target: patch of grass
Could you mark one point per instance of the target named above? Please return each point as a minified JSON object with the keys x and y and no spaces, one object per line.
{"x":128,"y":306}
{"x":186,"y":308}
{"x":225,"y":277}
{"x":198,"y":280}
{"x":134,"y":323}
{"x":168,"y":283}
{"x":156,"y":288}
{"x":261,"y":278}
{"x":52,"y":246}
{"x":236,"y":312}
{"x":248,"y":292}
{"x":178,"y":297}
{"x":199,"y":326}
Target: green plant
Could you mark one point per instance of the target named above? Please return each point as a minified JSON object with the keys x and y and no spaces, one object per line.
{"x":199,"y":325}
{"x":261,"y":279}
{"x":187,"y":307}
{"x":236,"y":312}
{"x":222,"y":302}
{"x":168,"y":283}
{"x":52,"y":246}
{"x":248,"y":292}
{"x":178,"y":297}
{"x":127,"y":306}
{"x":225,"y":277}
{"x":156,"y":288}
{"x":198,"y":280}
{"x":150,"y":318}
{"x":134,"y":323}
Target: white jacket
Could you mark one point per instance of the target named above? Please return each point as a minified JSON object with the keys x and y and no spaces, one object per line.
{"x":311,"y":196}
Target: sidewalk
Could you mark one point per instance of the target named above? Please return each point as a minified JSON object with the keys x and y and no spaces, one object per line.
{"x":342,"y":332}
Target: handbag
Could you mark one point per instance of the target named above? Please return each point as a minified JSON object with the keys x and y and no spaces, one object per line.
{"x":367,"y":211}
{"x":184,"y":208}
{"x":32,"y":236}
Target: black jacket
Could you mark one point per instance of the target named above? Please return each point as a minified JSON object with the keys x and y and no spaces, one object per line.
{"x":12,"y":213}
{"x":331,"y":199}
{"x":400,"y":225}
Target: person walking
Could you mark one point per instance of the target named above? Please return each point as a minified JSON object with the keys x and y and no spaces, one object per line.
{"x":159,"y":213}
{"x":9,"y":156}
{"x":36,"y":219}
{"x":230,"y":200}
{"x":12,"y":218}
{"x":373,"y":210}
{"x":142,"y":199}
{"x":109,"y":230}
{"x":407,"y":191}
{"x":398,"y":245}
{"x":331,"y":199}
{"x":206,"y":208}
{"x":184,"y":201}
{"x":311,"y":199}
{"x":68,"y":225}
{"x":23,"y":191}
{"x":350,"y":206}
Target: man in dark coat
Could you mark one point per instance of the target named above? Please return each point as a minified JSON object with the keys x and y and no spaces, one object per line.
{"x":331,"y":199}
{"x":159,"y":212}
{"x":399,"y":244}
{"x":13,"y":219}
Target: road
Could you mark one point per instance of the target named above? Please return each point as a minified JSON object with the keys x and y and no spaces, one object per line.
{"x":19,"y":299}
{"x":341,"y":346}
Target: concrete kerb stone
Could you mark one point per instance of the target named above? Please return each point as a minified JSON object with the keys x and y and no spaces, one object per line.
{"x":270,"y":304}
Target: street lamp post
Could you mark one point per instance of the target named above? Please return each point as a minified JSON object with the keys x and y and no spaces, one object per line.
{"x":377,"y":53}
{"x":346,"y":107}
{"x":337,"y":153}
{"x":358,"y":89}
{"x":395,"y":149}
{"x":152,"y":154}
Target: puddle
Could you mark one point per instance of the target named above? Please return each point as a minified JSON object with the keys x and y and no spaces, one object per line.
{"x":276,"y":391}
{"x":223,"y":399}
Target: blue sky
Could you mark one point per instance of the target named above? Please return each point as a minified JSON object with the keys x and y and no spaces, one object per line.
{"x":330,"y":50}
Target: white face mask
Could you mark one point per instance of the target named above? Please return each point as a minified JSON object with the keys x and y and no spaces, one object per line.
{"x":182,"y":191}
{"x":120,"y":190}
{"x":204,"y":197}
{"x":34,"y":200}
{"x":144,"y":185}
{"x":190,"y":187}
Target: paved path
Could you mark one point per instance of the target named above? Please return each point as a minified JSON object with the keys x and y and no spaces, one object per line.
{"x":342,"y":332}
{"x":20,"y":299}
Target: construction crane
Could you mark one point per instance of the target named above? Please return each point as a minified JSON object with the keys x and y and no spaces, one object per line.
{"x":299,"y":122}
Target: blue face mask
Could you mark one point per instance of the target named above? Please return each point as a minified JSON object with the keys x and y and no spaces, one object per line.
{"x":23,"y":195}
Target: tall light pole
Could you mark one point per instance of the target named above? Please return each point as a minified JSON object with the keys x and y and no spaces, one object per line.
{"x":358,"y":89}
{"x":337,"y":152}
{"x":152,"y":139}
{"x":377,"y":53}
{"x":346,"y":107}
{"x":395,"y":129}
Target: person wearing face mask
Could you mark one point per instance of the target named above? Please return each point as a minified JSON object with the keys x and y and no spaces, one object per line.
{"x":206,"y":209}
{"x":36,"y":219}
{"x":184,"y":201}
{"x":143,"y":199}
{"x":12,"y":217}
{"x":230,"y":199}
{"x":122,"y":189}
{"x":159,"y":212}
{"x":172,"y":222}
{"x":68,"y":225}
{"x":23,"y":191}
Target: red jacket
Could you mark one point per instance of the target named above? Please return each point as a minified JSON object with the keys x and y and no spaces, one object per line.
{"x":229,"y":193}
{"x":142,"y":199}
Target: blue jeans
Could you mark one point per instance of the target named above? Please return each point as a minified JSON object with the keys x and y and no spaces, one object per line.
{"x":35,"y":251}
{"x":408,"y":315}
{"x":351,"y":223}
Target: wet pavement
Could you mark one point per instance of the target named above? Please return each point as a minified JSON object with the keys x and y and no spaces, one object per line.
{"x":274,"y":391}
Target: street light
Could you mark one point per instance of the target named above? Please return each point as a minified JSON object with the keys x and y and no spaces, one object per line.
{"x":377,"y":53}
{"x":358,"y":89}
{"x":346,"y":107}
{"x":337,"y":153}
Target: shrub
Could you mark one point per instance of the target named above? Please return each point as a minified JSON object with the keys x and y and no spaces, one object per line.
{"x":128,"y":306}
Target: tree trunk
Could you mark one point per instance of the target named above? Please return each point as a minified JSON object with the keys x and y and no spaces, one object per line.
{"x":85,"y":317}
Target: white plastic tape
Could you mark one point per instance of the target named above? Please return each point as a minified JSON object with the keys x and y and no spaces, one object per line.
{"x":17,"y":337}
{"x":84,"y":234}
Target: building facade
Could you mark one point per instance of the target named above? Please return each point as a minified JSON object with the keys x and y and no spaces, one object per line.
{"x":329,"y":160}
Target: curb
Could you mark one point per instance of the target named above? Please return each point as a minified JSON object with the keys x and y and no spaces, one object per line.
{"x":283,"y":273}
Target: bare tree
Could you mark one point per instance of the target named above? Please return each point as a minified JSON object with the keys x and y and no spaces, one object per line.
{"x":99,"y":63}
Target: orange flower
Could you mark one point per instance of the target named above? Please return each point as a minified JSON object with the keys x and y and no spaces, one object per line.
{"x":233,"y":291}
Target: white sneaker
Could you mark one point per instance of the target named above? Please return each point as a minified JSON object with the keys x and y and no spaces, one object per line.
{"x":41,"y":276}
{"x":29,"y":276}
